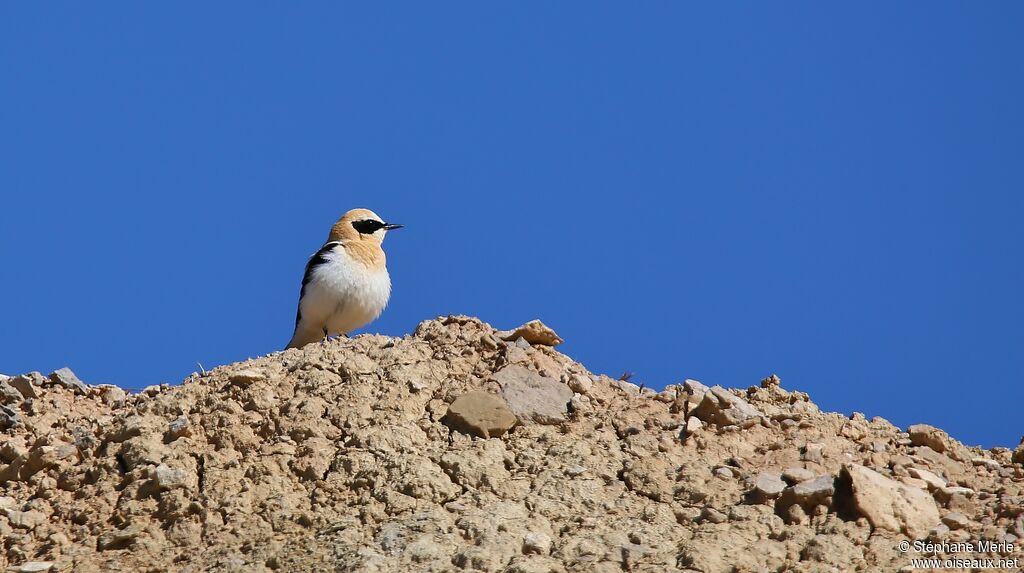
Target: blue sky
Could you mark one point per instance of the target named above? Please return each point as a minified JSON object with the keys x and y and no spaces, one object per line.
{"x":719,"y":191}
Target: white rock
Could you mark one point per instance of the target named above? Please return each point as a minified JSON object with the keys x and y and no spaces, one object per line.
{"x":32,"y":567}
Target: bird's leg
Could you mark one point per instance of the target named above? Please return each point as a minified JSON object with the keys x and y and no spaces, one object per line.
{"x":326,"y":339}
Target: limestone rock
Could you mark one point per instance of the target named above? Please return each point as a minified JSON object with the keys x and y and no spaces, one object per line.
{"x":889,"y":504}
{"x":692,"y":425}
{"x":166,"y":478}
{"x":724,"y":408}
{"x":531,"y":396}
{"x":113,"y":396}
{"x":27,"y":384}
{"x":933,"y":481}
{"x":9,"y":394}
{"x":768,"y":485}
{"x":534,"y":332}
{"x":66,"y":378}
{"x":480,"y":413}
{"x":29,"y":519}
{"x":581,"y":383}
{"x":925,"y":435}
{"x":537,"y":543}
{"x":955,"y":520}
{"x":807,"y":495}
{"x":247,"y":376}
{"x":796,"y":475}
{"x":33,"y":567}
{"x":695,"y":391}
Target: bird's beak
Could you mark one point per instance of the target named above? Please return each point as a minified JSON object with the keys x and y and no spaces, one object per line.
{"x":392,"y":226}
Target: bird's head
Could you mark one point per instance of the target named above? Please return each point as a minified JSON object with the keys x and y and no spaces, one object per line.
{"x":361,"y":225}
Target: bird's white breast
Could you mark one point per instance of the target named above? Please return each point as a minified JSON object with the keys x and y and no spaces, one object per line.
{"x":344,"y":294}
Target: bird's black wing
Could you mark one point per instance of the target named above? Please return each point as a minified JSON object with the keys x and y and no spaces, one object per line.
{"x":318,"y":258}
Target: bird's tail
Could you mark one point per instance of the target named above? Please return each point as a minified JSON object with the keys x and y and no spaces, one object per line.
{"x":304,"y":336}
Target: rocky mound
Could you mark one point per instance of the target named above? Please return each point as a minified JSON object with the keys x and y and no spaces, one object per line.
{"x":463,"y":448}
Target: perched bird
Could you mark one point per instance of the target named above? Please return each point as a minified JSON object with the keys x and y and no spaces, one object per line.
{"x":346,"y":284}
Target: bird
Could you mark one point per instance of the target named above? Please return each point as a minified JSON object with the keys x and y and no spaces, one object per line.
{"x":346,"y":284}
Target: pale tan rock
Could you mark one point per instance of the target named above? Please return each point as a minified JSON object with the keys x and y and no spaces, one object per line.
{"x":534,"y":332}
{"x":481,"y":414}
{"x":721,"y":407}
{"x":25,"y":519}
{"x":925,"y":435}
{"x":933,"y":481}
{"x":956,"y":520}
{"x":813,"y":453}
{"x":581,"y":383}
{"x":914,"y":482}
{"x":796,"y":475}
{"x":693,"y":424}
{"x":769,"y":485}
{"x":113,"y":396}
{"x":166,"y":477}
{"x":247,"y":376}
{"x":695,"y":391}
{"x":889,"y":504}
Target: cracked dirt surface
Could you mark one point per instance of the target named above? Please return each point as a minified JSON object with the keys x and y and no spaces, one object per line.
{"x":339,"y":457}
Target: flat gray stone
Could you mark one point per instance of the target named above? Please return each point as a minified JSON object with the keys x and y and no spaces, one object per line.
{"x":27,"y":383}
{"x":66,"y":378}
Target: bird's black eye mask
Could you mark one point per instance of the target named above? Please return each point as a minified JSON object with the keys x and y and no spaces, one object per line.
{"x":367,"y":226}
